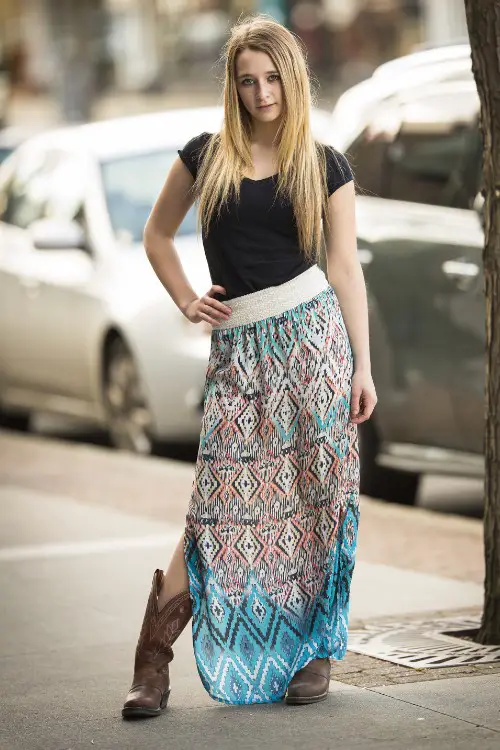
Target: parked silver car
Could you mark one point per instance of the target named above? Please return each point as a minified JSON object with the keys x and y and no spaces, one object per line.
{"x":86,"y":329}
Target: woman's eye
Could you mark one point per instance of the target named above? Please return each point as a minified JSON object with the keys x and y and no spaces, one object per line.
{"x":272,"y":77}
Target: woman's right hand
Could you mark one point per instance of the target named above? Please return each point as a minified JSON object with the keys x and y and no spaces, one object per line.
{"x":207,"y":308}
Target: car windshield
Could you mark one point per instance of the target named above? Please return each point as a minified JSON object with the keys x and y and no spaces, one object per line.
{"x":131,"y":185}
{"x":4,"y":153}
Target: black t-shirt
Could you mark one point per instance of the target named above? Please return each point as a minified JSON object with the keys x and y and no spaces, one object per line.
{"x":254,"y":244}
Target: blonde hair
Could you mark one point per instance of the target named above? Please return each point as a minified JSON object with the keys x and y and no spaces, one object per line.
{"x":301,"y":160}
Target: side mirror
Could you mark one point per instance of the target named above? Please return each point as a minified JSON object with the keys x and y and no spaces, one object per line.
{"x":54,"y":234}
{"x":478,"y":207}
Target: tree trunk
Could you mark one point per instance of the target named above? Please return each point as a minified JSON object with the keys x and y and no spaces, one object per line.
{"x":483,"y":20}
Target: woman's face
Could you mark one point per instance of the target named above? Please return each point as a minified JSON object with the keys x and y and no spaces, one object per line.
{"x":259,"y":85}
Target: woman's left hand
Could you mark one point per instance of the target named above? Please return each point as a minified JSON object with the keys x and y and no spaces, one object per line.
{"x":363,"y":396}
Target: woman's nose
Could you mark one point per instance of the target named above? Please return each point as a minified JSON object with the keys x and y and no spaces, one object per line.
{"x":261,"y":92}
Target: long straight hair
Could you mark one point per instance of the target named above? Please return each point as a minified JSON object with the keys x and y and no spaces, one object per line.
{"x":301,"y":160}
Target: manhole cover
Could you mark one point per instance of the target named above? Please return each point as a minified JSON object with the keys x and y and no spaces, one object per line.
{"x":424,"y":644}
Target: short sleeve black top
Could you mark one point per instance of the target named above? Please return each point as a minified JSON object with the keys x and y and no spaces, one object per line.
{"x":254,"y":243}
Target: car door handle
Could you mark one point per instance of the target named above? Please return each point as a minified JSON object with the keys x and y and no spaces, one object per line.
{"x":464,"y":272}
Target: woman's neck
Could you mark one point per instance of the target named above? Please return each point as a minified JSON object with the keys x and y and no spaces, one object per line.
{"x":264,"y":133}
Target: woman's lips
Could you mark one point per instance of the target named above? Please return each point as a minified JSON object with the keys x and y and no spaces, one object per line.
{"x":265,"y":106}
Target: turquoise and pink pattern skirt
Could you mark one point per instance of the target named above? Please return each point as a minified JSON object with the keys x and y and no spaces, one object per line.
{"x":272,"y":523}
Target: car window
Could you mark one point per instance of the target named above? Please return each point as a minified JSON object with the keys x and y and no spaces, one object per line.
{"x":44,"y":184}
{"x":131,"y":186}
{"x":24,"y":196}
{"x":429,"y":167}
{"x":7,"y":169}
{"x":65,"y":186}
{"x":428,"y":160}
{"x":368,"y":153}
{"x":4,"y":153}
{"x":366,"y":157}
{"x":473,"y":171}
{"x":422,"y":146}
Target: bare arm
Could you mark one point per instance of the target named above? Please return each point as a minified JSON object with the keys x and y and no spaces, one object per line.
{"x":169,"y":210}
{"x":346,"y":277}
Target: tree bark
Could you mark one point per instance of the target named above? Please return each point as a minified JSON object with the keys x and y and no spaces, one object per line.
{"x":483,"y":21}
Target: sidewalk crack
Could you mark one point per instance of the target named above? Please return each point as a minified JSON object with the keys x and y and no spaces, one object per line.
{"x":434,"y":710}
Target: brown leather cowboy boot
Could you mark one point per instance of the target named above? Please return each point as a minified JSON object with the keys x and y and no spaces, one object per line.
{"x":310,"y":684}
{"x":151,"y":682}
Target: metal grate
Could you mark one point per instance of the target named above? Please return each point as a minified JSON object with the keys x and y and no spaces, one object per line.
{"x":424,"y":644}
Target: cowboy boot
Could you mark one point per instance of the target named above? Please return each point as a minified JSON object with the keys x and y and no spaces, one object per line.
{"x":151,"y":682}
{"x":310,"y":684}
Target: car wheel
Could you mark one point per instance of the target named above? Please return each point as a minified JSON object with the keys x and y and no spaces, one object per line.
{"x":392,"y":485}
{"x":128,"y":416}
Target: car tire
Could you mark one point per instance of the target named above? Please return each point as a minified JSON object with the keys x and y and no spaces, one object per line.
{"x":19,"y":421}
{"x":128,"y":416}
{"x":392,"y":485}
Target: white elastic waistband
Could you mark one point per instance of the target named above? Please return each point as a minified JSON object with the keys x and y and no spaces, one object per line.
{"x":274,"y":300}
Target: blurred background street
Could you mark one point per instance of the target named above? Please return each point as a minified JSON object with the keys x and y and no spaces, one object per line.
{"x":101,"y":377}
{"x":78,"y":60}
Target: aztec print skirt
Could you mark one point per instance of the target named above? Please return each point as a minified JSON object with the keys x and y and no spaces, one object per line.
{"x":272,"y":523}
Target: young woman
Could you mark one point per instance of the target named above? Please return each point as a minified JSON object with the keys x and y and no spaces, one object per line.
{"x":265,"y":563}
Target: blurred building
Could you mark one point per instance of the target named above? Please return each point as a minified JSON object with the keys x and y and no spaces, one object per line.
{"x":10,"y":38}
{"x":77,"y":48}
{"x":444,"y":21}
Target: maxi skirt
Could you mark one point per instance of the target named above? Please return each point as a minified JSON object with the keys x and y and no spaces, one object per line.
{"x":272,"y":523}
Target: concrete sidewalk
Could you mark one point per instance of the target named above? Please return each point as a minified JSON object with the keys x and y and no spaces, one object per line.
{"x":74,"y":575}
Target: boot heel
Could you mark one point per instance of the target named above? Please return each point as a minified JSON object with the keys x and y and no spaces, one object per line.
{"x":164,"y":699}
{"x":310,"y":684}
